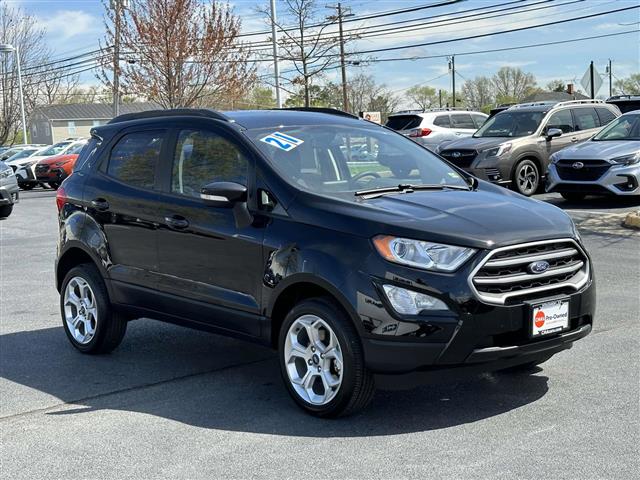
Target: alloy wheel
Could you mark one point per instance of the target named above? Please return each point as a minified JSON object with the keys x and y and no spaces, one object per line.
{"x":313,"y":358}
{"x":80,"y":310}
{"x":527,"y":179}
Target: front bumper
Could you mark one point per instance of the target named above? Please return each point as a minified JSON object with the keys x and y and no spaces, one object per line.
{"x":618,"y":180}
{"x":25,"y":175}
{"x":9,"y":194}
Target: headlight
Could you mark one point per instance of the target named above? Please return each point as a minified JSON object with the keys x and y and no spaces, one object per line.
{"x":408,"y":302}
{"x":60,"y":164}
{"x":627,"y":159}
{"x":425,"y":255}
{"x":499,"y":150}
{"x":7,"y":172}
{"x":554,"y":158}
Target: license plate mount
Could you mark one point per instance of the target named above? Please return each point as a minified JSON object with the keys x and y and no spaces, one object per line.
{"x":549,"y":317}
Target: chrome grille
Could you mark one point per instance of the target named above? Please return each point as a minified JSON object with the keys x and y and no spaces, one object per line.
{"x":589,"y":171}
{"x":504,"y":274}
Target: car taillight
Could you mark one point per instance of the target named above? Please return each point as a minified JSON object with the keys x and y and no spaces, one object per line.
{"x":61,"y":198}
{"x":420,"y":132}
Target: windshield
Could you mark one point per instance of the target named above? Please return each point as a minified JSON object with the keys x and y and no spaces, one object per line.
{"x":626,"y":127}
{"x":75,"y":149}
{"x":23,"y":154}
{"x":511,"y":123}
{"x":54,"y":150}
{"x":339,"y":160}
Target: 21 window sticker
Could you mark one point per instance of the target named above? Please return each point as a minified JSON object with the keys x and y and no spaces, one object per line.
{"x":282,"y":141}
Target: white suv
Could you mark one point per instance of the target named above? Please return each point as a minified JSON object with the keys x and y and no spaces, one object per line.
{"x":432,"y":128}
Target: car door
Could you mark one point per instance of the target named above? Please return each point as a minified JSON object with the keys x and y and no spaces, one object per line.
{"x":562,"y":120}
{"x":212,"y":268}
{"x":587,"y":123}
{"x":123,"y":199}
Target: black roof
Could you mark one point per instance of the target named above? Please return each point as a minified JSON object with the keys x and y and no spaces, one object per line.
{"x":287,"y":117}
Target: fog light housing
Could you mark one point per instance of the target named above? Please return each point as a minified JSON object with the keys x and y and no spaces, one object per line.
{"x":408,"y":302}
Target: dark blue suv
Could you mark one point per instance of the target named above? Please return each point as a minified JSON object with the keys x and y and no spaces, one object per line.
{"x":362,"y":257}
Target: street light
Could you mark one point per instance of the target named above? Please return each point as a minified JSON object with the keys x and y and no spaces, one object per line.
{"x":8,"y":48}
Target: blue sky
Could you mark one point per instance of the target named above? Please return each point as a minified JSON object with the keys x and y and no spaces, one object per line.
{"x":74,"y":26}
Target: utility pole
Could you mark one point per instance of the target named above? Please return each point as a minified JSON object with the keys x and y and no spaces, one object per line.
{"x":610,"y":72}
{"x":452,"y":67}
{"x":591,"y":76}
{"x":276,"y":68}
{"x":340,"y":16}
{"x":440,"y":97}
{"x":117,"y":6}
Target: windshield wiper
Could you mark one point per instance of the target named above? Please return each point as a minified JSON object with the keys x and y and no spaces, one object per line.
{"x":406,"y":188}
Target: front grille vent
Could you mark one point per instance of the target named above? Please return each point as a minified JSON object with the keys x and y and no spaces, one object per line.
{"x":460,"y":158}
{"x":506,"y":274}
{"x":581,"y":170}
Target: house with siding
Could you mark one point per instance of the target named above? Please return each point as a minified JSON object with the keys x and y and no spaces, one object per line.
{"x":52,"y":123}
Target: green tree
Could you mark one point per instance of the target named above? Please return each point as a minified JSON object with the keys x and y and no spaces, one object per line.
{"x":556,"y":86}
{"x":423,"y":96}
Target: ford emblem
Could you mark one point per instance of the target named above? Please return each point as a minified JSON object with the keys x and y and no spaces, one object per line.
{"x":577,"y":165}
{"x":455,"y":154}
{"x":538,"y":267}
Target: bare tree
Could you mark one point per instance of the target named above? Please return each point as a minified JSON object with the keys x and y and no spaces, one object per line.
{"x":479,"y":93}
{"x":512,"y":84}
{"x":180,"y":53}
{"x":54,"y":87}
{"x":312,"y":46}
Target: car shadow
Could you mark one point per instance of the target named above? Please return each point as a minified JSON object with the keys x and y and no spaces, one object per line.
{"x":595,"y":203}
{"x":214,"y":382}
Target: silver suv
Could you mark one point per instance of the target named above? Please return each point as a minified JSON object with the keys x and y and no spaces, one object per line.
{"x":8,"y":190}
{"x":514,"y":146}
{"x":609,"y":163}
{"x":436,"y":127}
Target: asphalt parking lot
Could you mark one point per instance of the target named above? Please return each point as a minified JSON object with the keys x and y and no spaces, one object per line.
{"x":175,"y":403}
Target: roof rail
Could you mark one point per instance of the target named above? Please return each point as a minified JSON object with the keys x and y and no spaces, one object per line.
{"x":533,"y":104}
{"x":174,"y":112}
{"x":578,"y":102}
{"x":623,"y":97}
{"x":331,"y":111}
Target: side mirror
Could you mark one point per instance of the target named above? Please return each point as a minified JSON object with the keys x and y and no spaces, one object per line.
{"x":553,"y":133}
{"x":223,"y":194}
{"x":229,"y":195}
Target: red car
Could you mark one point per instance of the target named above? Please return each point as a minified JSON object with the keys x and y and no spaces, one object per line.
{"x":53,"y":170}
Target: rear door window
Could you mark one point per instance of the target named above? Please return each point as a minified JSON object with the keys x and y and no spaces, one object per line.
{"x":442,"y":121}
{"x":462,"y":120}
{"x":586,"y":118}
{"x":605,"y":115}
{"x":404,"y":122}
{"x":134,"y":159}
{"x":562,"y":120}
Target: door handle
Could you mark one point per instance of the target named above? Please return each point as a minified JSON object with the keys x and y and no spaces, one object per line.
{"x":100,"y":204}
{"x":177,"y":222}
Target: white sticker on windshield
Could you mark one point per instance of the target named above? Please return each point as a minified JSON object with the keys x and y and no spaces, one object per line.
{"x":282,"y":141}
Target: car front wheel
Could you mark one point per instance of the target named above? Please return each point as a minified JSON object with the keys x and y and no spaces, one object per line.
{"x":526,"y":178}
{"x":321,"y":360}
{"x":27,"y":186}
{"x":5,"y":211}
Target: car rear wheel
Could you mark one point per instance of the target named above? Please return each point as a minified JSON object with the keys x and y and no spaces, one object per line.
{"x":321,"y":360}
{"x":573,"y":196}
{"x":5,"y":211}
{"x":526,"y":178}
{"x":90,"y":323}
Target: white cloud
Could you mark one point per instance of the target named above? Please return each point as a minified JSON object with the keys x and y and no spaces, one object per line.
{"x":66,"y":24}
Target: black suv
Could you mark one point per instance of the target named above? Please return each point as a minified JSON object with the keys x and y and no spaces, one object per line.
{"x":392,"y":266}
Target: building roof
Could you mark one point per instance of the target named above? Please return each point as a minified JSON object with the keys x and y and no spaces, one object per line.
{"x":553,"y":97}
{"x":90,"y":111}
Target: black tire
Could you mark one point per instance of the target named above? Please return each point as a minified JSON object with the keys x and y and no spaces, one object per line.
{"x":110,"y":325}
{"x":53,"y":185}
{"x":357,"y":387}
{"x":5,"y":211}
{"x":573,"y":196}
{"x":27,"y":186}
{"x":526,"y":177}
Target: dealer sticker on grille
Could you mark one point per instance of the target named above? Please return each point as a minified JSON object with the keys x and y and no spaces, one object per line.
{"x":550,"y":317}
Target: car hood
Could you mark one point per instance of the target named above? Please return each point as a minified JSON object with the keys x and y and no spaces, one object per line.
{"x":57,"y":158}
{"x":488,"y":217}
{"x":602,"y":150}
{"x":475,"y":143}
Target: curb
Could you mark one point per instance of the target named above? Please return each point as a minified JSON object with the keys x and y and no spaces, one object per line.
{"x":632,"y":220}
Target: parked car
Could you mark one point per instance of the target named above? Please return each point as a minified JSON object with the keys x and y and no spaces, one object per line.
{"x":626,"y":103}
{"x":26,"y":172}
{"x":53,"y":170}
{"x":434,"y":127}
{"x":19,"y":158}
{"x":11,"y":151}
{"x":252,"y":224}
{"x":8,"y":190}
{"x":607,"y":164}
{"x":514,"y":146}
